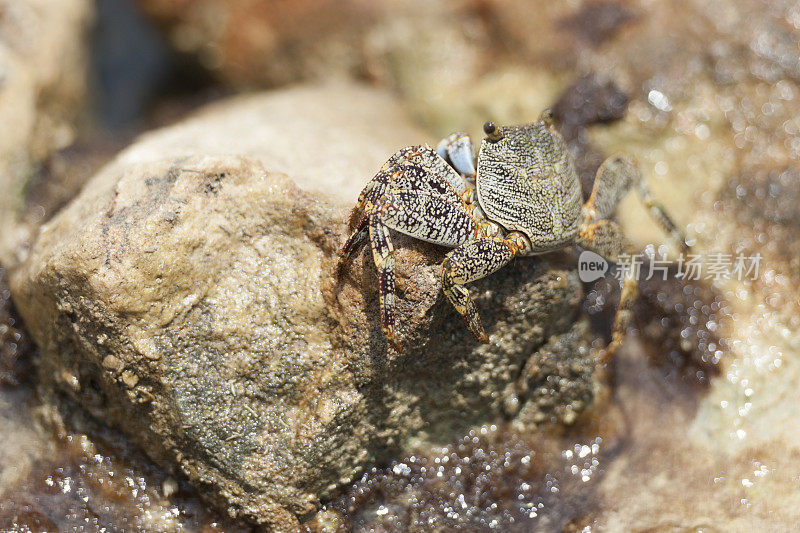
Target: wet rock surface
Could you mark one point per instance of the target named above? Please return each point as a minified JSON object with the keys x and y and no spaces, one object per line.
{"x":187,"y":300}
{"x":91,"y":483}
{"x":493,"y":477}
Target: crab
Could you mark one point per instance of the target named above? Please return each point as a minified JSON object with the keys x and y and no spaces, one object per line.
{"x":521,"y":196}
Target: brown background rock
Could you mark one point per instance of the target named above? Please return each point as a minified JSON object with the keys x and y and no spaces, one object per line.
{"x":248,"y":43}
{"x":43,"y":61}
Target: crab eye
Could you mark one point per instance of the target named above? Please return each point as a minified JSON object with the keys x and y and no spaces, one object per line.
{"x":493,"y":133}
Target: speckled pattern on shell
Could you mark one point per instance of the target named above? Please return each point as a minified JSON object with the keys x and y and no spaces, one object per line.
{"x":527,"y":182}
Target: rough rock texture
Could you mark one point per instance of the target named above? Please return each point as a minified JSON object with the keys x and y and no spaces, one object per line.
{"x":186,"y":298}
{"x":329,"y":141}
{"x":43,"y":69}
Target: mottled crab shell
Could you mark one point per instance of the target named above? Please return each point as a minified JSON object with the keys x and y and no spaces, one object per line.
{"x":527,"y":182}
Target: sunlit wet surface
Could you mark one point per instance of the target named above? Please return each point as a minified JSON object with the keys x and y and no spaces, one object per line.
{"x":494,"y":477}
{"x":91,"y":485}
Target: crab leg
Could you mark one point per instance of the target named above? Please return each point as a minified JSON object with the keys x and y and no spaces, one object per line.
{"x":614,"y":178}
{"x":423,"y":215}
{"x":658,"y":214}
{"x":472,"y":261}
{"x":606,"y":238}
{"x":383,"y":255}
{"x":417,"y":167}
{"x":612,"y":182}
{"x":359,"y":217}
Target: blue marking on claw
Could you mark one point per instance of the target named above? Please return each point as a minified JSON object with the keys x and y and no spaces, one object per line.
{"x":441,"y":148}
{"x":462,"y":156}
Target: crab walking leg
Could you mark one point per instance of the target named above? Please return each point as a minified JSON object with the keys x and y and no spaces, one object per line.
{"x":614,"y":179}
{"x":658,"y":214}
{"x":606,"y":238}
{"x":355,"y":241}
{"x":359,"y":217}
{"x":383,"y":255}
{"x":472,"y":261}
{"x":420,"y":214}
{"x":429,"y":217}
{"x":611,"y":183}
{"x":370,"y":194}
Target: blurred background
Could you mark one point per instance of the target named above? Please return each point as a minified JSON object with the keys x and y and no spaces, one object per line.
{"x":704,"y":93}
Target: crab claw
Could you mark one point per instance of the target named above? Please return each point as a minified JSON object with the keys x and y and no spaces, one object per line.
{"x":457,"y":148}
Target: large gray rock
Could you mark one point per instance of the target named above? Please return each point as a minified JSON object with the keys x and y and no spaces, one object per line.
{"x":186,"y":298}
